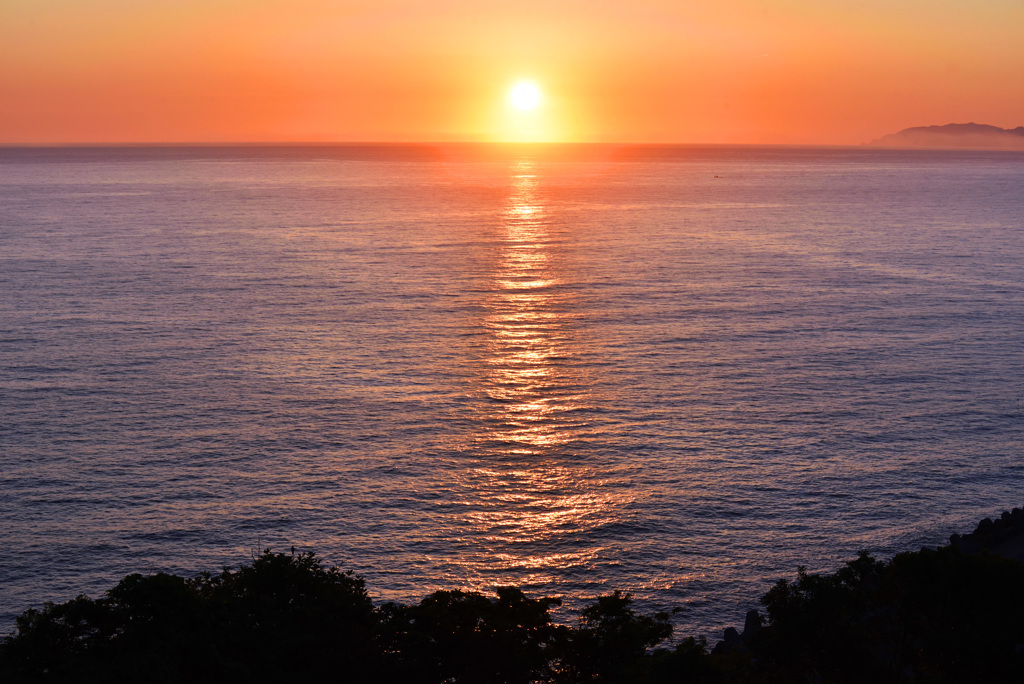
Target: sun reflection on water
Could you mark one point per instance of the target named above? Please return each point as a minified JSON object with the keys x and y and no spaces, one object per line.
{"x":529,"y":502}
{"x":529,"y":347}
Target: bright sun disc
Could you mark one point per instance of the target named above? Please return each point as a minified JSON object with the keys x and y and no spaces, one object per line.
{"x":525,"y":96}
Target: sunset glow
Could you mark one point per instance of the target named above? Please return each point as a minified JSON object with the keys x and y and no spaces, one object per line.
{"x":738,"y":71}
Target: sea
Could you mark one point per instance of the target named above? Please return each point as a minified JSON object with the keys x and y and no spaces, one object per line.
{"x":677,"y":371}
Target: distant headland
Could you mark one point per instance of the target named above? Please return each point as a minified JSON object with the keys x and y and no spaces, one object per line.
{"x":969,"y":136}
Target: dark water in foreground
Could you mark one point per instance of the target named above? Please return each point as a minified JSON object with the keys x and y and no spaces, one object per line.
{"x":676,"y":371}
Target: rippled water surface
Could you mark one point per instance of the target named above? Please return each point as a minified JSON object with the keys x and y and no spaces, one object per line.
{"x":676,"y":371}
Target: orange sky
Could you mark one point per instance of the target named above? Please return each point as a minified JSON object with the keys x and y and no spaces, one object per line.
{"x":702,"y":71}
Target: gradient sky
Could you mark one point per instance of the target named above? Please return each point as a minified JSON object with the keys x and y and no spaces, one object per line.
{"x":701,"y":71}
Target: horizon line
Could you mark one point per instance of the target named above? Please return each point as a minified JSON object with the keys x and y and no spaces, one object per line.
{"x":470,"y":144}
{"x":413,"y":143}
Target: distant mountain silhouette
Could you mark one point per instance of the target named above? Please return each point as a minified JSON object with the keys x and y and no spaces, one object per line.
{"x":970,"y":136}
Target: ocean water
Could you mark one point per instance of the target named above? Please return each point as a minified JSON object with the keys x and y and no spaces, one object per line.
{"x":677,"y":371}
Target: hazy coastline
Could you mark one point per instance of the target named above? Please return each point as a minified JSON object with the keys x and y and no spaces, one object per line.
{"x":969,"y":136}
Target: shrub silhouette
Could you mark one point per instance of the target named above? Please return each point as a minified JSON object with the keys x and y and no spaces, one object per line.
{"x":610,"y":641}
{"x":467,"y":637}
{"x":283,"y":616}
{"x":933,"y":616}
{"x":930,"y":616}
{"x":288,"y":614}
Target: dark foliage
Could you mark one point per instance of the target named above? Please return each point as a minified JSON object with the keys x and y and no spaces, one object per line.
{"x":934,"y":616}
{"x":687,"y":662}
{"x":610,"y":642}
{"x":467,"y":637}
{"x":283,"y":616}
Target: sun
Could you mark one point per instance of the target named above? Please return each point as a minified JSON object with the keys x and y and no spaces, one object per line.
{"x":524,"y":95}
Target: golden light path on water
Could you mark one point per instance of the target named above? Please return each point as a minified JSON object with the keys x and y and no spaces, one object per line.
{"x":531,"y":497}
{"x":527,"y":337}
